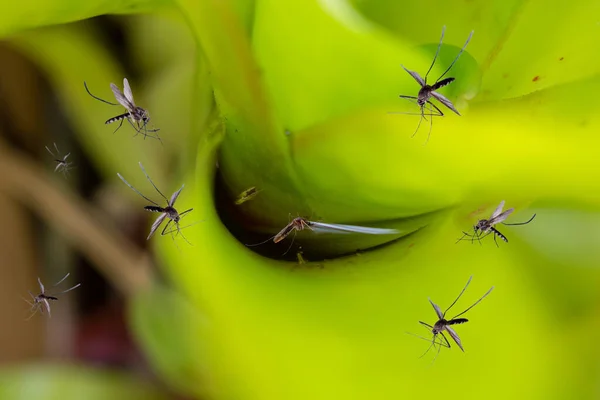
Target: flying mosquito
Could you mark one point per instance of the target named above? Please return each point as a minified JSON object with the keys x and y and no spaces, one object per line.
{"x":247,"y":195}
{"x":61,"y":164}
{"x":484,"y":227}
{"x":137,"y":117}
{"x":443,"y":324}
{"x":299,"y":224}
{"x":43,"y":299}
{"x":166,"y":212}
{"x":428,"y":91}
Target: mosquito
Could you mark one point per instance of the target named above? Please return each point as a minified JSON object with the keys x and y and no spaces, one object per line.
{"x":137,"y":117}
{"x":486,"y":226}
{"x":300,"y":223}
{"x":247,"y":195}
{"x":61,"y":164}
{"x":166,"y":212}
{"x":443,"y":324}
{"x":428,"y":91}
{"x":43,"y":299}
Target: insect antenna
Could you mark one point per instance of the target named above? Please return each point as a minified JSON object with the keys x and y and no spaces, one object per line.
{"x":477,"y":302}
{"x":152,"y":183}
{"x":96,"y":97}
{"x":456,"y":59}
{"x":135,"y":190}
{"x":521,"y":223}
{"x":461,"y":293}
{"x":436,"y":53}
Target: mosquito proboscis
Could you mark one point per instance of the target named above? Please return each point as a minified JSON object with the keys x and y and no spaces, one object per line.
{"x":168,"y":211}
{"x":484,"y":227}
{"x":427,"y":91}
{"x":444,"y":324}
{"x":43,"y":299}
{"x":137,"y":116}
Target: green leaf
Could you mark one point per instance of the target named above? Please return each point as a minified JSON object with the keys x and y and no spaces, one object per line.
{"x":20,"y":16}
{"x":173,"y":334}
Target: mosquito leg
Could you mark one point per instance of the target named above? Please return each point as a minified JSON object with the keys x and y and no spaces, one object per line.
{"x":521,"y":223}
{"x":419,"y":125}
{"x":119,"y":127}
{"x":290,"y":246}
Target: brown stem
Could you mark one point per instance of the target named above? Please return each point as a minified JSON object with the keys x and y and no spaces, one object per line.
{"x":125,"y":266}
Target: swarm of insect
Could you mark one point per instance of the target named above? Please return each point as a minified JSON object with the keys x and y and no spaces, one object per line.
{"x":168,"y":211}
{"x":62,"y":165}
{"x":484,"y":227}
{"x":444,"y":324}
{"x":428,"y":91}
{"x":137,"y":117}
{"x":300,"y":223}
{"x":43,"y":299}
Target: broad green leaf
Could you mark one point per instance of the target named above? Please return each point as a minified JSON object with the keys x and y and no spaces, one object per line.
{"x":28,"y":14}
{"x":515,"y":41}
{"x":172,"y":332}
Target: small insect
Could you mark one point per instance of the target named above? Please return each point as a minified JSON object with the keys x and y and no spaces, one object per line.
{"x":43,"y":300}
{"x":486,"y":226}
{"x":137,"y":117}
{"x":247,"y":195}
{"x":61,"y":164}
{"x":428,"y":91}
{"x":299,"y":224}
{"x":443,"y":324}
{"x":166,"y":212}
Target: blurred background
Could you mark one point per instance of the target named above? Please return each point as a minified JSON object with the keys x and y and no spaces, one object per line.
{"x":293,"y":99}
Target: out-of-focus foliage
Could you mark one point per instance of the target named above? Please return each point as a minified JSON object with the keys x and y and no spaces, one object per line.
{"x":70,"y":383}
{"x":303,"y":89}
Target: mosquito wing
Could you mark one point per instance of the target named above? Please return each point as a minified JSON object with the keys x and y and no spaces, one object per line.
{"x":121,"y":98}
{"x":156,"y":224}
{"x":339,"y":228}
{"x":41,"y":285}
{"x":444,"y":101}
{"x":175,"y":196}
{"x":127,"y":91}
{"x":437,"y":310}
{"x":455,"y":337}
{"x":498,"y":209}
{"x":415,"y":75}
{"x":282,"y":234}
{"x":47,"y":304}
{"x":501,"y":217}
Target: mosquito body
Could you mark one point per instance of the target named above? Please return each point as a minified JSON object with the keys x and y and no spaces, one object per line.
{"x":62,"y":165}
{"x":43,"y":299}
{"x":247,"y":195}
{"x":444,"y":324}
{"x":137,"y":116}
{"x":300,"y":224}
{"x":429,"y":91}
{"x":484,"y":227}
{"x":169,"y":212}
